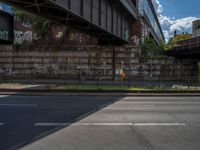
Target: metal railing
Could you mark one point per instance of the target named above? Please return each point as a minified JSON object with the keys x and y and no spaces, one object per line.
{"x":142,"y":81}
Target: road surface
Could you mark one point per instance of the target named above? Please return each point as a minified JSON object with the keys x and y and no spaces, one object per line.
{"x":99,"y":123}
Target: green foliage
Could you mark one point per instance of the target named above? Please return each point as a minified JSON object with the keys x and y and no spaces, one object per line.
{"x":150,"y":47}
{"x":23,"y":15}
{"x":41,"y":25}
{"x":173,"y":42}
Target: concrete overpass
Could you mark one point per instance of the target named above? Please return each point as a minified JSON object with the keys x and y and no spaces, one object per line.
{"x":110,"y":20}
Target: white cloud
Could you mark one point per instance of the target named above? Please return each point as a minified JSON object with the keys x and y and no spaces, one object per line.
{"x":170,"y":24}
{"x":158,"y":6}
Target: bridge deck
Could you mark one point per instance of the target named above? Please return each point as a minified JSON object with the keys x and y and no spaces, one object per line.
{"x":109,"y":20}
{"x":189,"y":48}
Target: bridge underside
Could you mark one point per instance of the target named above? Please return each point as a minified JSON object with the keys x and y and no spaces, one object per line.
{"x":108,"y":20}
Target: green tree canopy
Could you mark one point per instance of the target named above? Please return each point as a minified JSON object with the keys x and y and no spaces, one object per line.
{"x":151,"y":47}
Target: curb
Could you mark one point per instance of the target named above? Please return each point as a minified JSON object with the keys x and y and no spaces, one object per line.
{"x":37,"y":92}
{"x":104,"y":91}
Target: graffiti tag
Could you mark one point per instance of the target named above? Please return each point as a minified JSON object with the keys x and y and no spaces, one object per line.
{"x":21,"y":37}
{"x":26,"y":24}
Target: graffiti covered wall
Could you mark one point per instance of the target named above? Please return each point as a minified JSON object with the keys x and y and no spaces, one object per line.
{"x":23,"y":31}
{"x":24,"y":34}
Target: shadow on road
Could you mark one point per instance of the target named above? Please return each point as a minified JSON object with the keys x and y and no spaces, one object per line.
{"x":20,"y":113}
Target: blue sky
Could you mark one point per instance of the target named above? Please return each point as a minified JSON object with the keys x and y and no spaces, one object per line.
{"x":177,"y":14}
{"x":180,"y":8}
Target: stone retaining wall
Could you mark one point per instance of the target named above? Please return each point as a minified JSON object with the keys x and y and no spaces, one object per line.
{"x":69,"y":63}
{"x":91,"y":61}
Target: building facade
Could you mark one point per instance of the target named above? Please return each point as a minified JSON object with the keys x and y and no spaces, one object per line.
{"x":6,"y":24}
{"x":196,"y":29}
{"x":148,"y":21}
{"x":6,"y":8}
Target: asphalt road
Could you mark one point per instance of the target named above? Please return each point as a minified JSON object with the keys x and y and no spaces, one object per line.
{"x":99,"y":123}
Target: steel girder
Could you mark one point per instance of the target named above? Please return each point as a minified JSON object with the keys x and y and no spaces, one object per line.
{"x":109,"y":20}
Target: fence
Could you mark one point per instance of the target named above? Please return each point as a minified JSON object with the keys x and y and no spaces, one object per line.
{"x":161,"y":82}
{"x":95,"y":65}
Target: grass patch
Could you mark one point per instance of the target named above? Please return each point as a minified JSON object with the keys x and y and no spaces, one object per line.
{"x":104,"y":88}
{"x":92,"y":87}
{"x":119,"y":87}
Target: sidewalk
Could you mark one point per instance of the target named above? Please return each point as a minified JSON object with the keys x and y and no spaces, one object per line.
{"x":84,"y":90}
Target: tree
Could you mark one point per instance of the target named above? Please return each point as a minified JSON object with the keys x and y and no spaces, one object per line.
{"x":151,"y":47}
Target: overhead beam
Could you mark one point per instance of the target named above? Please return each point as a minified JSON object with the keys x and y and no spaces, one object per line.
{"x":101,"y":15}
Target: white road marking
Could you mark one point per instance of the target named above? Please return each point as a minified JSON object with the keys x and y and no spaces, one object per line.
{"x":3,"y":96}
{"x":102,"y":124}
{"x":144,"y":105}
{"x":20,"y":105}
{"x":83,"y":124}
{"x":139,"y":105}
{"x":159,"y":124}
{"x":52,"y":124}
{"x":109,"y":124}
{"x":2,"y":123}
